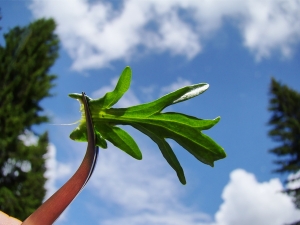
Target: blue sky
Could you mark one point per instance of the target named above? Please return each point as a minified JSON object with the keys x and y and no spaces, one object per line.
{"x":235,"y":46}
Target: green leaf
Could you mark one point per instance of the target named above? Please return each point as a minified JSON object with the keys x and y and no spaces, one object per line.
{"x":194,"y":141}
{"x":78,"y":135}
{"x":165,"y":149}
{"x":177,"y":96}
{"x":184,"y":129}
{"x":111,"y":98}
{"x":120,"y":139}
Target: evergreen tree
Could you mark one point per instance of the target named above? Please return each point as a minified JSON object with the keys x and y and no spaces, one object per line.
{"x":26,"y":58}
{"x":285,"y":122}
{"x":0,"y":18}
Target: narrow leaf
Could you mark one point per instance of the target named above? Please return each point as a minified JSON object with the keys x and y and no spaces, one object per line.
{"x":179,"y":95}
{"x":166,"y":151}
{"x":193,"y":140}
{"x":111,"y":98}
{"x":120,"y":139}
{"x":100,"y":141}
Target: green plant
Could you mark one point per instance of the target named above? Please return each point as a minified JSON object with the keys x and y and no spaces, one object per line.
{"x":26,"y":58}
{"x":285,"y":123}
{"x":148,"y":118}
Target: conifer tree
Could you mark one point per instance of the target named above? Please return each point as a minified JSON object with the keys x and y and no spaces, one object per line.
{"x":285,"y":123}
{"x":26,"y":58}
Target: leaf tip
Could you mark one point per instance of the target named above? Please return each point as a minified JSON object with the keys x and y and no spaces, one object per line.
{"x":76,"y":96}
{"x":224,"y":155}
{"x":128,"y":69}
{"x":195,"y":90}
{"x":182,"y":181}
{"x":137,"y":156}
{"x":217,"y":119}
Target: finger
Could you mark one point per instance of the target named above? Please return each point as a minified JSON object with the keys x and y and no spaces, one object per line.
{"x":7,"y":220}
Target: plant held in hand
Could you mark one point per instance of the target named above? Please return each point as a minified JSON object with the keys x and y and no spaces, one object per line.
{"x":148,"y":118}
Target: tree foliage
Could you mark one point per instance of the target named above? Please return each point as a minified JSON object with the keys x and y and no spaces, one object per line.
{"x":285,"y":123}
{"x":26,"y":58}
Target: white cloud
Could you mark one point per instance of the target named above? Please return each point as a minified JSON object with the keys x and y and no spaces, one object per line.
{"x":95,"y":34}
{"x":164,"y":218}
{"x":28,"y":138}
{"x":174,"y":35}
{"x":246,"y":201}
{"x":271,"y":25}
{"x":294,"y":180}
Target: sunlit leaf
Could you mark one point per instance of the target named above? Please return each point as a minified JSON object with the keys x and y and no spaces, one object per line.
{"x":184,"y":129}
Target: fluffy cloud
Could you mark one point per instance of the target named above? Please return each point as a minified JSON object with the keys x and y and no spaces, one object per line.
{"x":294,"y":180}
{"x":271,"y":25}
{"x":246,"y":201}
{"x":96,"y":33}
{"x":28,"y":138}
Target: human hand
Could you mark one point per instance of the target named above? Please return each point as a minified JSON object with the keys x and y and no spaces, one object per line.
{"x":7,"y":220}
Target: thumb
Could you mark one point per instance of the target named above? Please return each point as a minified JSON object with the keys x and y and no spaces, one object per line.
{"x":7,"y":220}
